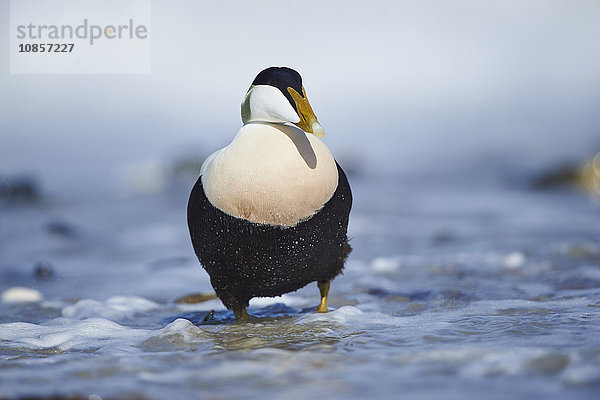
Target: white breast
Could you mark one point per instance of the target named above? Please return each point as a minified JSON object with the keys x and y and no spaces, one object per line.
{"x":272,"y":174}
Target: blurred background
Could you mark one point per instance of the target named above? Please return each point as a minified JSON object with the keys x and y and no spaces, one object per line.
{"x":401,"y":87}
{"x":467,"y":128}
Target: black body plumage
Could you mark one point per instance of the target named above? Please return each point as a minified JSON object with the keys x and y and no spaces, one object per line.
{"x":246,"y":259}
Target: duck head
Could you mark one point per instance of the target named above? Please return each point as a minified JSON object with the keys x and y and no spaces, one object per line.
{"x":277,"y":96}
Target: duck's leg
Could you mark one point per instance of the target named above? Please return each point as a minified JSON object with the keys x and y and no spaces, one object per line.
{"x":324,"y":289}
{"x":241,"y":315}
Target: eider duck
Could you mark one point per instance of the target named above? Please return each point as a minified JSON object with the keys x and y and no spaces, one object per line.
{"x":269,"y":213}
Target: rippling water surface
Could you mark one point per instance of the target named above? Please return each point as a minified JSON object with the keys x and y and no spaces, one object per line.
{"x":454,"y":289}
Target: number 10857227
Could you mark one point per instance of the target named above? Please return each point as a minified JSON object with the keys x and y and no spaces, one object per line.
{"x":46,"y":47}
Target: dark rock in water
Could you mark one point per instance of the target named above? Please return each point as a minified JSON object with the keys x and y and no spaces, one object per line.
{"x":396,"y":296}
{"x":443,"y":236}
{"x":585,"y":251}
{"x":563,"y":175}
{"x":387,"y":295}
{"x":378,"y":292}
{"x":586,"y":177}
{"x":19,"y":190}
{"x":457,"y":295}
{"x":62,"y":229}
{"x":549,"y":364}
{"x":209,"y":317}
{"x":590,"y":176}
{"x":420,"y":295}
{"x":43,"y":270}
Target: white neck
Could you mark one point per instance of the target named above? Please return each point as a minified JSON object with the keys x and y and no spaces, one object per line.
{"x":264,"y":103}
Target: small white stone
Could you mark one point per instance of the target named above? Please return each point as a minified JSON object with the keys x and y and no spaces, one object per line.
{"x":514,"y":260}
{"x":19,"y":294}
{"x":385,"y":264}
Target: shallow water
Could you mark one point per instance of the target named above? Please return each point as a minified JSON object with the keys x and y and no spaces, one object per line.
{"x":455,"y":288}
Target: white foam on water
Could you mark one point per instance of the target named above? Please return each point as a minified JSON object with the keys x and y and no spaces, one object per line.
{"x":179,"y":333}
{"x":353,"y":316}
{"x":115,"y":308}
{"x":94,"y":334}
{"x":62,"y":334}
